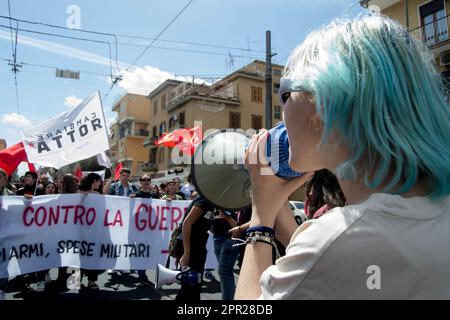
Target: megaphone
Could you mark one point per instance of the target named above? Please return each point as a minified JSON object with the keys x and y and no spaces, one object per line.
{"x":165,"y":276}
{"x":218,"y":171}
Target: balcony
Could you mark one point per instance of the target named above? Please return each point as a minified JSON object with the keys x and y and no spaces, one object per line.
{"x":137,"y":133}
{"x":433,"y":34}
{"x":204,"y":92}
{"x":147,"y":167}
{"x":149,"y":142}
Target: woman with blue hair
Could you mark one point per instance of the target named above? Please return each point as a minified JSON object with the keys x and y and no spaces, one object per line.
{"x":362,"y":99}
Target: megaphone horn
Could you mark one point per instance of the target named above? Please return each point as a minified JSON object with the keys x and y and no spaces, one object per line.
{"x":165,"y":276}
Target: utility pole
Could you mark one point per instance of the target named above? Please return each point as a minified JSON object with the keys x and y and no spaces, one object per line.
{"x":405,"y":5}
{"x":268,"y":112}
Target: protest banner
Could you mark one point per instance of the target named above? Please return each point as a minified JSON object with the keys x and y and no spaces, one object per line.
{"x":88,"y":231}
{"x":74,"y":135}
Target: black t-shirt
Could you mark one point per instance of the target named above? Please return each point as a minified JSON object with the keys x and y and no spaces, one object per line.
{"x":30,"y":190}
{"x":221,"y":227}
{"x":143,"y":194}
{"x":199,"y":234}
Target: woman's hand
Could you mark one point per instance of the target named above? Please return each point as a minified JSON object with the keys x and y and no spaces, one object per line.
{"x":269,"y":192}
{"x":184,"y":261}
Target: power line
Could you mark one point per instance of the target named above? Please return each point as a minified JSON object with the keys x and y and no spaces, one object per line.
{"x":14,"y":65}
{"x":120,"y":77}
{"x":107,"y":75}
{"x":70,"y":29}
{"x":160,"y":34}
{"x":190,"y":43}
{"x":69,"y":37}
{"x":185,"y":50}
{"x":55,"y":67}
{"x":115,"y":35}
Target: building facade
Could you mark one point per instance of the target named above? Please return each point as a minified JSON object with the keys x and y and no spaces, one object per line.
{"x":236,"y":101}
{"x":129,"y":130}
{"x":425,"y":20}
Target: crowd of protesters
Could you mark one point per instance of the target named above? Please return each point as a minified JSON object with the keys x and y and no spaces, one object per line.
{"x":200,"y":218}
{"x":31,"y":185}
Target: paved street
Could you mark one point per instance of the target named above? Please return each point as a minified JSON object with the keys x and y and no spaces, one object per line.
{"x":113,"y":286}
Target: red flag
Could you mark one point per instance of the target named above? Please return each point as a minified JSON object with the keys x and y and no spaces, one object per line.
{"x":185,"y":139}
{"x":31,"y":167}
{"x":117,"y":171}
{"x":11,"y":157}
{"x":78,"y":173}
{"x":170,"y":139}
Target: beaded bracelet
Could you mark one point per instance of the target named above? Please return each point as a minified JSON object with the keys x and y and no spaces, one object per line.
{"x":261,"y":229}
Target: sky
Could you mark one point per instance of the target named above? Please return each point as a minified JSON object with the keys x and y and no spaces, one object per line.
{"x":231,"y":34}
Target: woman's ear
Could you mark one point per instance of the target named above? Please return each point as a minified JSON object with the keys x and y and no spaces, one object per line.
{"x":315,"y":122}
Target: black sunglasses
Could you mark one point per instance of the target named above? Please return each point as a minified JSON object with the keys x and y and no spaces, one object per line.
{"x":146,"y":179}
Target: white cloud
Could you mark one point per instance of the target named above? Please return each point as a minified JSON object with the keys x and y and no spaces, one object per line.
{"x":15,"y":119}
{"x":143,"y":80}
{"x":72,"y":101}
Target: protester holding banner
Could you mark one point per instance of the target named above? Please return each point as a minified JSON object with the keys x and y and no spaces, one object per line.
{"x":50,"y":188}
{"x":68,"y":186}
{"x":195,"y":236}
{"x":91,"y":184}
{"x":42,"y":276}
{"x":4,"y":191}
{"x":123,"y":187}
{"x":30,"y":188}
{"x":145,"y":191}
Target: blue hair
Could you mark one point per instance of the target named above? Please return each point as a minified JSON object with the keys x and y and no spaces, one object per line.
{"x":376,"y":86}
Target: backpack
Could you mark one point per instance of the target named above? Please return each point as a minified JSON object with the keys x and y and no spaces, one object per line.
{"x":176,"y":248}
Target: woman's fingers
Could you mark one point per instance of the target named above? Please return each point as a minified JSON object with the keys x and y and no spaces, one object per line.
{"x":255,"y":153}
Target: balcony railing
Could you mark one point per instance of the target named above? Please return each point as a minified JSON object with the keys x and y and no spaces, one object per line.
{"x":433,"y":32}
{"x":201,"y":90}
{"x":150,"y":141}
{"x":134,"y":133}
{"x":147,"y":167}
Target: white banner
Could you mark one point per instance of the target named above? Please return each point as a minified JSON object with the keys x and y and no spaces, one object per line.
{"x":69,"y":137}
{"x":89,"y":231}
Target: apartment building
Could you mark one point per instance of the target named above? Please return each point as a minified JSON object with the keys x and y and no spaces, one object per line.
{"x":425,"y":20}
{"x":129,"y":130}
{"x":236,"y":101}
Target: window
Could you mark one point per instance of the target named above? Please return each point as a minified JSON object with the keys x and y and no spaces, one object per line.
{"x":256,"y":122}
{"x":235,"y":120}
{"x":152,"y":156}
{"x":277,"y":72}
{"x":181,"y":120}
{"x":434,"y":22}
{"x":122,"y":108}
{"x":276,"y":87}
{"x":171,"y":95}
{"x":155,"y":107}
{"x":154,"y":134}
{"x":257,"y":94}
{"x":277,"y":112}
{"x":162,"y":128}
{"x":163,"y":101}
